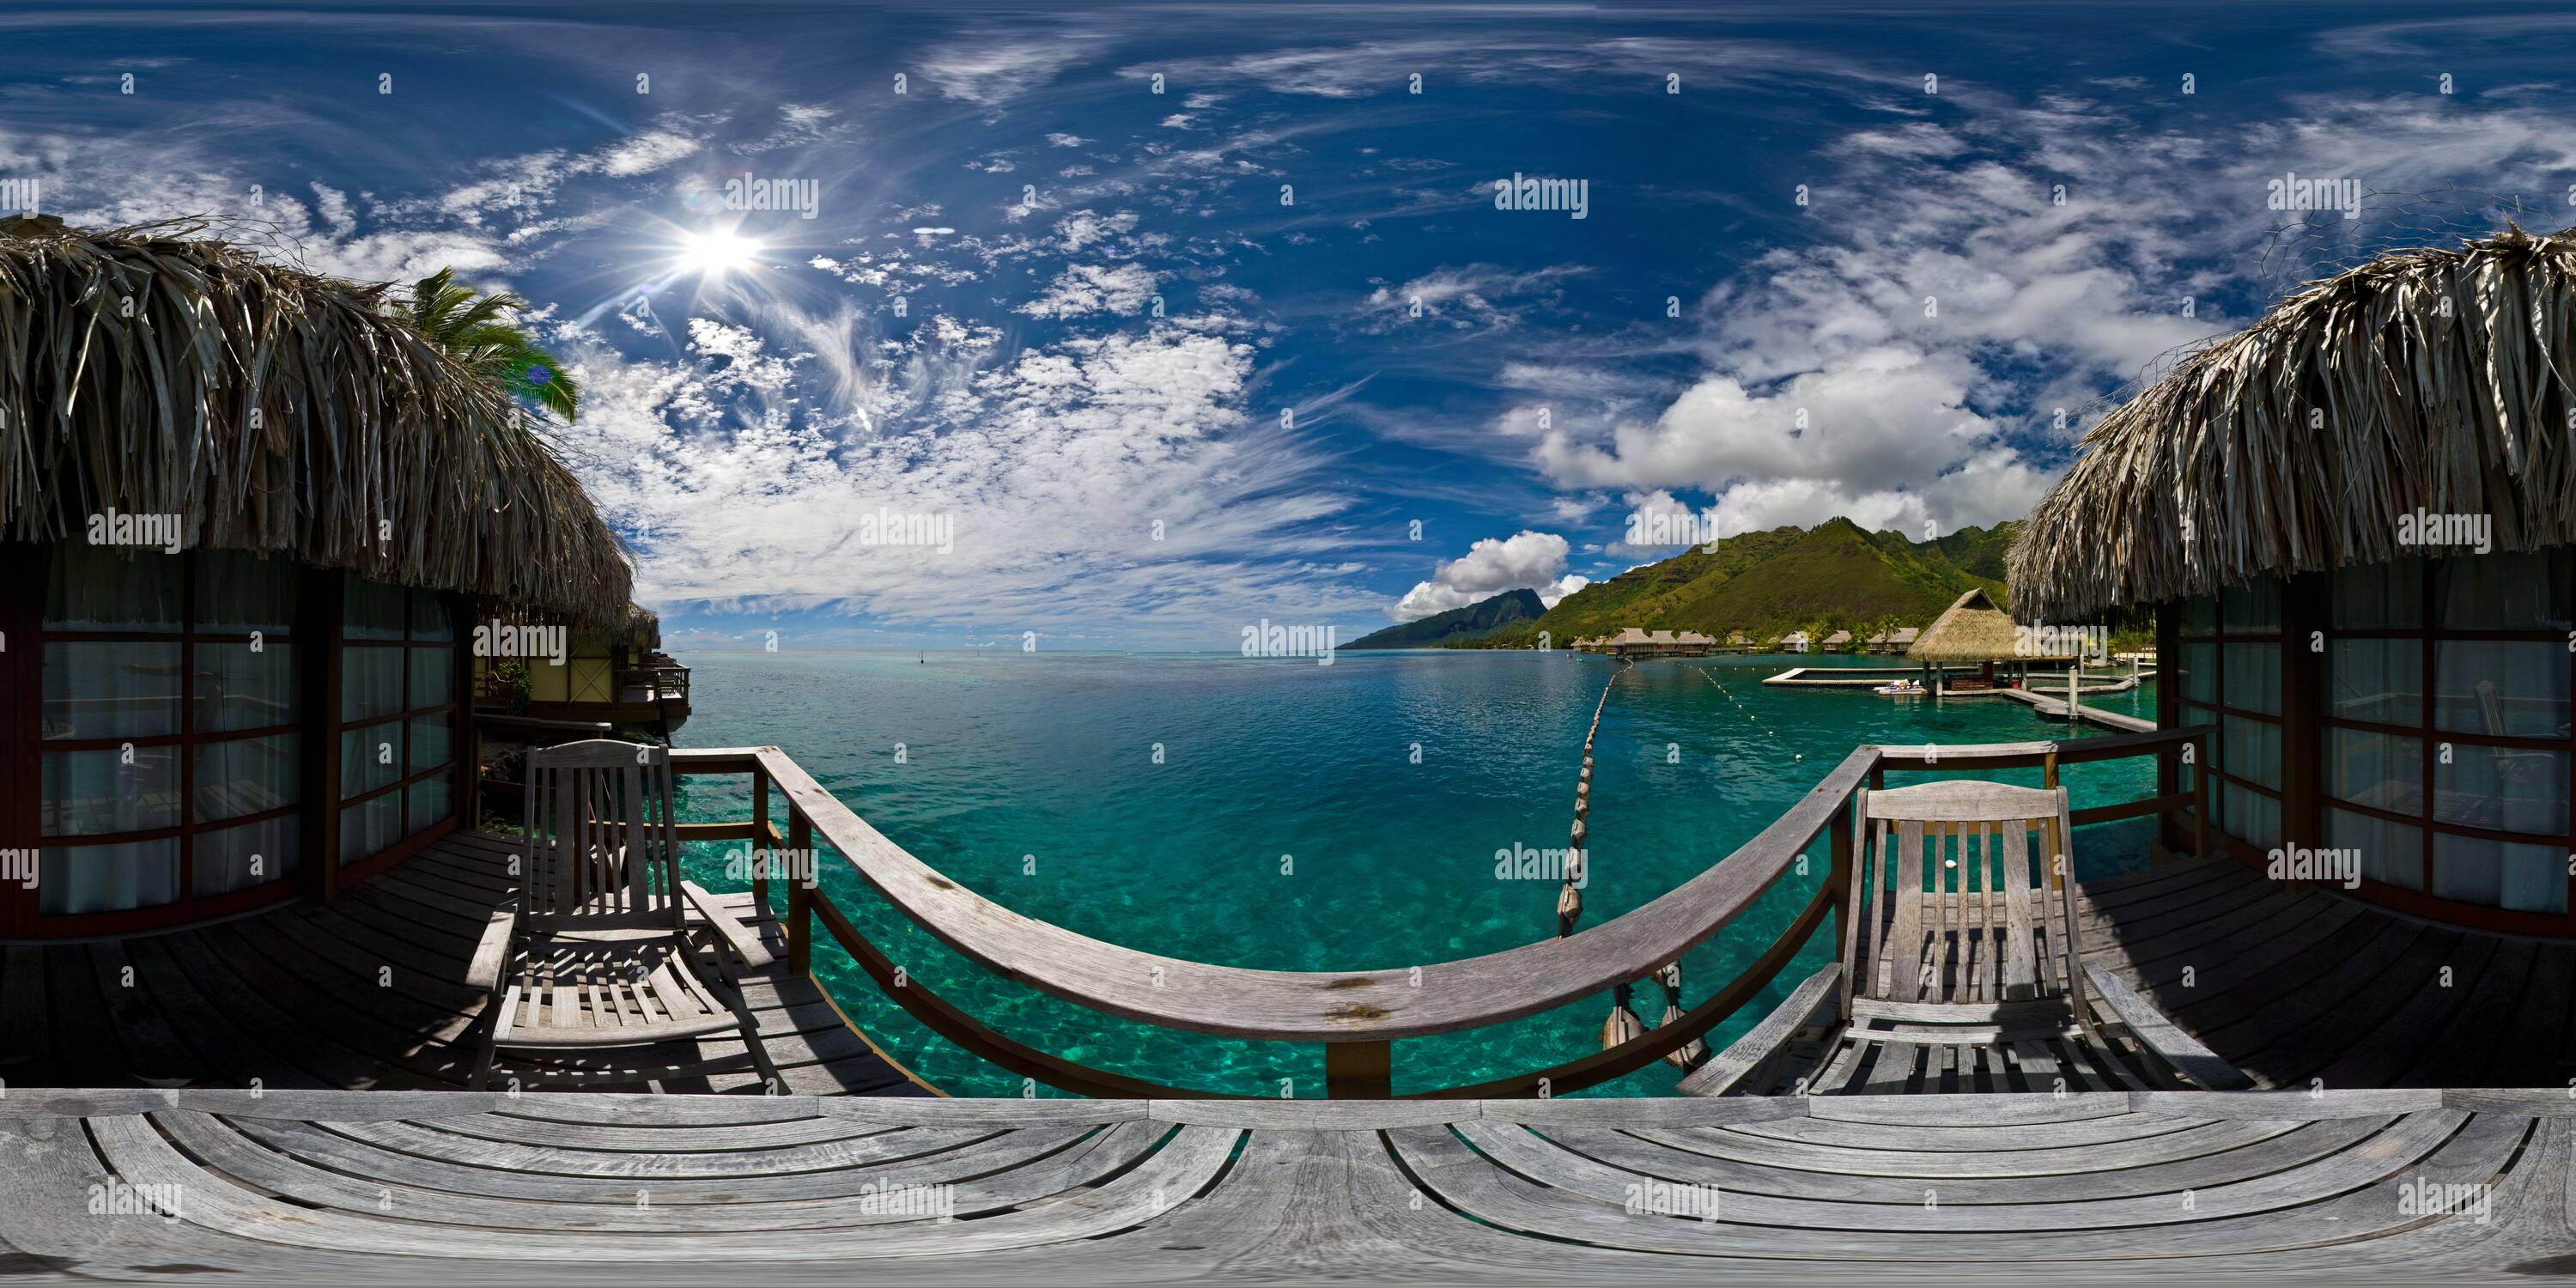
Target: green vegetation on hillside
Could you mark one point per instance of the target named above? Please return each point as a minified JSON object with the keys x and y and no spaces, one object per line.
{"x":1475,"y":621}
{"x":1768,"y":584}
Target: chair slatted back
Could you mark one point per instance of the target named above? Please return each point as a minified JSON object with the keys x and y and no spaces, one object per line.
{"x":603,"y":851}
{"x":1953,"y":905}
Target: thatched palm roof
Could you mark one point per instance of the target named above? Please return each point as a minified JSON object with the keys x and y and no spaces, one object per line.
{"x":156,"y":371}
{"x":2440,"y":381}
{"x":1970,"y":630}
{"x":642,"y":628}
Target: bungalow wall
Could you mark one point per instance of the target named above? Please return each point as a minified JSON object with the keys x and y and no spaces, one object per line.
{"x":2414,"y":713}
{"x":193,"y":735}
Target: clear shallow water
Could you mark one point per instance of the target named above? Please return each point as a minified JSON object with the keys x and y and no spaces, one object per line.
{"x":1288,"y":825}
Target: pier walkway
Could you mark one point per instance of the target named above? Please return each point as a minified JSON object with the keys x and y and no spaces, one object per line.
{"x":461,"y":1187}
{"x":2055,"y":708}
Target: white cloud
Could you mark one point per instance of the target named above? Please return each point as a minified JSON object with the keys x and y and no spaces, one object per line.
{"x":1535,"y":560}
{"x":1475,"y":296}
{"x":647,"y":152}
{"x":1123,"y":289}
{"x":990,"y":72}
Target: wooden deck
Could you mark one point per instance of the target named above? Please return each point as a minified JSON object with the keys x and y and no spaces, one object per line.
{"x":366,"y":993}
{"x":2295,"y":985}
{"x":462,"y":1187}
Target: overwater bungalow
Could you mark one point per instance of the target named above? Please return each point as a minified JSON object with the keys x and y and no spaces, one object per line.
{"x":618,"y":676}
{"x":253,"y":515}
{"x":1895,"y":641}
{"x":1971,"y":632}
{"x":2352,"y":525}
{"x":1633,"y":642}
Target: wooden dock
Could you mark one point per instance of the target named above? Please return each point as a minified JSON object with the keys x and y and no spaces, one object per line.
{"x":462,"y":1187}
{"x":2055,"y":708}
{"x":366,"y":992}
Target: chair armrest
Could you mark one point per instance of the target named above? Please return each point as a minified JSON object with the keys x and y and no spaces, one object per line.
{"x":755,"y":955}
{"x":492,"y":955}
{"x":1754,"y":1050}
{"x":2177,"y":1048}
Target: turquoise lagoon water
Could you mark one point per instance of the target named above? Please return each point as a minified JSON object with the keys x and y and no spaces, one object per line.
{"x":1288,"y":824}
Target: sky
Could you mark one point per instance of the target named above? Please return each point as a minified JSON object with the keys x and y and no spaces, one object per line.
{"x":1131,"y":326}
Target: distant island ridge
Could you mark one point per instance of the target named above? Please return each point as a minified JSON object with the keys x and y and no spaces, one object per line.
{"x":1765,"y":585}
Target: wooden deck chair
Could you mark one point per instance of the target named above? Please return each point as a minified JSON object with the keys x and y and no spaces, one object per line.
{"x":1965,"y":971}
{"x":594,"y":951}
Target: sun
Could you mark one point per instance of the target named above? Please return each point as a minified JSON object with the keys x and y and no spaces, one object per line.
{"x":717,"y":251}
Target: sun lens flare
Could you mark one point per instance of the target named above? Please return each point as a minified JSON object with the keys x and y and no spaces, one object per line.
{"x":717,"y":251}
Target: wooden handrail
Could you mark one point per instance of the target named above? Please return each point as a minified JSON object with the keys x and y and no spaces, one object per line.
{"x":1351,"y":1011}
{"x":1655,"y":1043}
{"x":946,"y":1019}
{"x":1914,"y":757}
{"x":1301,"y":1006}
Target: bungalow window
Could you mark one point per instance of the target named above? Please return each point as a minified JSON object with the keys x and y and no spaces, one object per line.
{"x":2459,"y":789}
{"x":2230,"y":676}
{"x":168,"y":726}
{"x":397,"y":713}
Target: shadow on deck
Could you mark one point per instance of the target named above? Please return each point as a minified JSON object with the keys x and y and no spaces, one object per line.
{"x":368,"y":993}
{"x":2292,"y":984}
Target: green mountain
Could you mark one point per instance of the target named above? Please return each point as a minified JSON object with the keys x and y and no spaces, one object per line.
{"x":1459,"y":625}
{"x":1768,"y":584}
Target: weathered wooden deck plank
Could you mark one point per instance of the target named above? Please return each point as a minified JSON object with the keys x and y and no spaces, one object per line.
{"x":2263,"y":1184}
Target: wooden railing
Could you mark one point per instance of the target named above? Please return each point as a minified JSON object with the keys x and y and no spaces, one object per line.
{"x":1355,"y":1015}
{"x":669,"y":681}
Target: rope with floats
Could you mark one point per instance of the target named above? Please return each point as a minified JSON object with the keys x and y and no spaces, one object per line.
{"x":1624,"y":1024}
{"x":1748,"y":712}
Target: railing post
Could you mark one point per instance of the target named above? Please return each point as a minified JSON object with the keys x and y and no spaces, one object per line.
{"x":1838,"y":843}
{"x":1359,"y":1070}
{"x":760,"y":847}
{"x":800,"y":891}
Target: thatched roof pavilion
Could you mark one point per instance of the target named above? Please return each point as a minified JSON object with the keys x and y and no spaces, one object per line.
{"x":1972,"y":629}
{"x":2431,"y":380}
{"x":153,"y":370}
{"x":2352,"y":522}
{"x":263,"y":533}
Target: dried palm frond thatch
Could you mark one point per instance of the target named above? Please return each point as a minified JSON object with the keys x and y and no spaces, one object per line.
{"x":156,"y":370}
{"x":641,"y":630}
{"x":1972,"y":629}
{"x":2425,"y":381}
